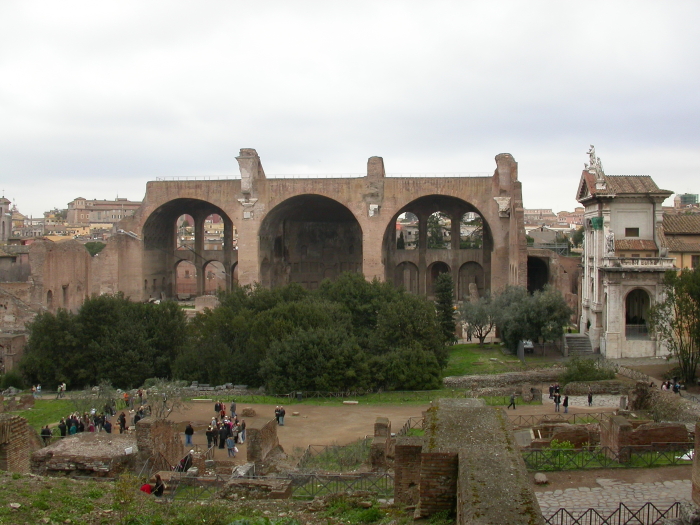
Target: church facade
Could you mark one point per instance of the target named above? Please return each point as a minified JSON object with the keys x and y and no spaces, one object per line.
{"x":624,"y":260}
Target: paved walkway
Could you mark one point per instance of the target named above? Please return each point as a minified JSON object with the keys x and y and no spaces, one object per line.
{"x":582,"y":401}
{"x":608,"y":496}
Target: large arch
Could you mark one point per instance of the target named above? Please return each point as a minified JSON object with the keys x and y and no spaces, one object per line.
{"x":308,"y":238}
{"x":453,"y":211}
{"x":164,"y":249}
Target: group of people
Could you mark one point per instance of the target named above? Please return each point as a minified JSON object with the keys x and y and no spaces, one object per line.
{"x":279,"y":415}
{"x":75,"y":423}
{"x":36,"y":391}
{"x":671,"y":386}
{"x":225,"y":431}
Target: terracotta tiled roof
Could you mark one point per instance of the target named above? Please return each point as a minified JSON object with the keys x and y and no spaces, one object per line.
{"x":635,"y":244}
{"x":680,"y":246}
{"x":631,"y":184}
{"x":682,"y":224}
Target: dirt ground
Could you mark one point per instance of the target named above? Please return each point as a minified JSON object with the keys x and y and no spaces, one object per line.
{"x":315,"y":425}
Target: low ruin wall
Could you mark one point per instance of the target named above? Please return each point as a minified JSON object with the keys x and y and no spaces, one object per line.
{"x":260,"y":441}
{"x":87,"y":454}
{"x":609,"y":387}
{"x":544,"y":375}
{"x":617,"y":433}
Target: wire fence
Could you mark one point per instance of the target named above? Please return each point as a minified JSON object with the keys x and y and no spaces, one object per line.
{"x":413,"y":423}
{"x":647,"y":514}
{"x":641,"y":456}
{"x":537,"y":419}
{"x":335,"y":457}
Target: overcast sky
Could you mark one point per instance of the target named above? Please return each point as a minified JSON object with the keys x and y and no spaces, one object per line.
{"x":97,"y":98}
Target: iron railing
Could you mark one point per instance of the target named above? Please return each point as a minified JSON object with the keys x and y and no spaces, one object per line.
{"x":647,"y":514}
{"x":312,"y":485}
{"x":643,"y":456}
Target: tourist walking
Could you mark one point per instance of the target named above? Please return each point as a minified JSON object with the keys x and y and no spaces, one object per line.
{"x":590,"y":398}
{"x":189,"y":432}
{"x":565,"y":404}
{"x":512,"y":401}
{"x":557,"y":401}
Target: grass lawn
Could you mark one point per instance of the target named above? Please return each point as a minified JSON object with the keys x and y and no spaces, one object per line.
{"x":471,"y":359}
{"x":46,"y":412}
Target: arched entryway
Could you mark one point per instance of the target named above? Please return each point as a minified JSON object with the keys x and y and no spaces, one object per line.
{"x":306,"y":239}
{"x":637,"y":306}
{"x":434,"y":270}
{"x":537,"y":274}
{"x":406,"y":276}
{"x":471,"y":273}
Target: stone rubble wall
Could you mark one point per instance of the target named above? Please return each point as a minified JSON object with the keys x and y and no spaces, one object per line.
{"x":544,"y":375}
{"x":610,"y":387}
{"x":159,"y":436}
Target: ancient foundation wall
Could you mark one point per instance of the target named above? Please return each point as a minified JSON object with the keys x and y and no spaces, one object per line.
{"x":502,"y":380}
{"x":17,"y":442}
{"x":407,"y":462}
{"x":260,"y":441}
{"x":155,"y":436}
{"x":611,"y":387}
{"x":617,"y":433}
{"x":438,"y":483}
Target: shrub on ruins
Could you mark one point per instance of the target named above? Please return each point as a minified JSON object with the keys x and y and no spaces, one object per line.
{"x":585,"y":369}
{"x":676,"y":319}
{"x":110,"y":338}
{"x":11,"y":379}
{"x":521,"y":315}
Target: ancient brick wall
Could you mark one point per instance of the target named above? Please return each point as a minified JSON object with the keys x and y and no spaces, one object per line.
{"x":159,"y":436}
{"x":438,"y":482}
{"x":617,"y":433}
{"x":17,"y":442}
{"x":260,"y":441}
{"x":407,"y":462}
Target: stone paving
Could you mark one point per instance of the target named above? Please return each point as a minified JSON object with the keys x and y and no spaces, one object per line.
{"x":610,"y":493}
{"x":582,"y":401}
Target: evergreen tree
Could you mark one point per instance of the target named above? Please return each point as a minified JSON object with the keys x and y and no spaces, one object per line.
{"x":444,"y":304}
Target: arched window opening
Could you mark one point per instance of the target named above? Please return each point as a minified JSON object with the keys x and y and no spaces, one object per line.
{"x":439,"y":225}
{"x":213,"y":232}
{"x":471,"y":231}
{"x":407,"y":229}
{"x":637,"y":315}
{"x":185,"y":232}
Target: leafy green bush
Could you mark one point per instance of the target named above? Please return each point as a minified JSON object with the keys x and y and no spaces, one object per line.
{"x":583,"y":369}
{"x":11,"y":378}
